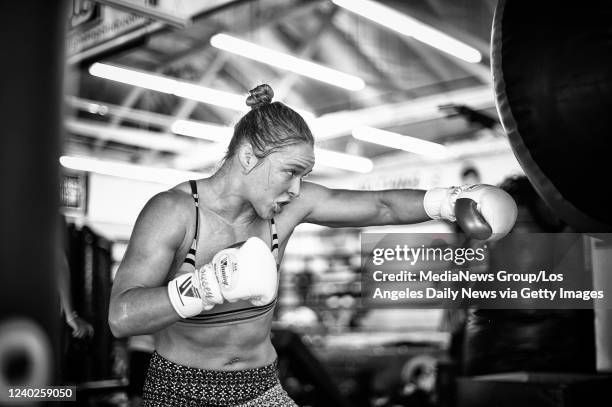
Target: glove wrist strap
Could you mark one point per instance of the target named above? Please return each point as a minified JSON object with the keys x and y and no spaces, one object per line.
{"x":439,"y":203}
{"x":185,"y":296}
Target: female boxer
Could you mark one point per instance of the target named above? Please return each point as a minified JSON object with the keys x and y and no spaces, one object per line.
{"x":200,"y":270}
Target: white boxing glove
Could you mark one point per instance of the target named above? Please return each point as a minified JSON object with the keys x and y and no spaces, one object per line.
{"x":247,"y":272}
{"x":483,"y":211}
{"x":194,"y":292}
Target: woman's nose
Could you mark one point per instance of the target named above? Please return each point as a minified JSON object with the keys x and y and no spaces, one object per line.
{"x":294,"y":190}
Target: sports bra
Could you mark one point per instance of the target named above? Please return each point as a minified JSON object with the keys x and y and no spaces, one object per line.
{"x":226,"y":313}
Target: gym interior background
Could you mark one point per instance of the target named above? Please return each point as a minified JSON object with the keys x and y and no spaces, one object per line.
{"x":105,"y":103}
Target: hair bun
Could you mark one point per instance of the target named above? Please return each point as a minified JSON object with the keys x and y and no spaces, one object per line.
{"x":259,"y":96}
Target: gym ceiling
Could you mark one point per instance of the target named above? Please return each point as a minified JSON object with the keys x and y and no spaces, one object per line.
{"x":410,"y":87}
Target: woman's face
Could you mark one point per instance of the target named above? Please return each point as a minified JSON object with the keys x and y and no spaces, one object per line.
{"x":277,"y":180}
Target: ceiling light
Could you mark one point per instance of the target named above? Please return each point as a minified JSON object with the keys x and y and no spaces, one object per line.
{"x":286,"y":62}
{"x":394,"y":140}
{"x":123,"y":170}
{"x":411,"y":27}
{"x":343,"y":161}
{"x":169,"y":85}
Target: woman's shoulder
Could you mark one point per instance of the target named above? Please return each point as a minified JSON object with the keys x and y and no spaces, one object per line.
{"x":175,"y":201}
{"x":182,"y":189}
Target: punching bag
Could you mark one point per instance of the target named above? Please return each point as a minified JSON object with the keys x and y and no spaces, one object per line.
{"x":32,"y":42}
{"x":552,"y":72}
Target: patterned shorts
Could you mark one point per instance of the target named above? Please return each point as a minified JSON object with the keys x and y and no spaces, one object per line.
{"x":169,"y":384}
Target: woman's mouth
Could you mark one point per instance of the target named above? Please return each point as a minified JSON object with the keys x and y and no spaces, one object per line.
{"x":278,"y":206}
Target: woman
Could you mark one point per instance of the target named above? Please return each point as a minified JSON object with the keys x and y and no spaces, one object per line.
{"x":177,"y":279}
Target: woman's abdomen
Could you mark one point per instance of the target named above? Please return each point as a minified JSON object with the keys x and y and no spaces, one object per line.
{"x":234,"y":346}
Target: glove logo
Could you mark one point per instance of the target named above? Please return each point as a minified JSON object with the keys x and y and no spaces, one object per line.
{"x":187,"y":289}
{"x":226,"y":268}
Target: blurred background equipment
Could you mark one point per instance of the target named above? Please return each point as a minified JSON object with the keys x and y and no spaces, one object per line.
{"x":535,"y":340}
{"x":90,"y":257}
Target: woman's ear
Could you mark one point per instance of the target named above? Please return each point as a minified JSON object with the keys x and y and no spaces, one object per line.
{"x":247,"y":158}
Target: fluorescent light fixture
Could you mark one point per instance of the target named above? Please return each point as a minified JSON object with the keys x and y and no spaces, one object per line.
{"x":394,"y":140}
{"x":411,"y":27}
{"x":124,"y":170}
{"x":171,"y":86}
{"x":206,"y":131}
{"x":175,"y":87}
{"x":286,"y":62}
{"x":343,"y":161}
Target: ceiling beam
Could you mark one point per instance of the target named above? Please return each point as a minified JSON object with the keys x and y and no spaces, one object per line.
{"x":186,"y":106}
{"x":435,"y":63}
{"x":388,"y":81}
{"x":306,"y":50}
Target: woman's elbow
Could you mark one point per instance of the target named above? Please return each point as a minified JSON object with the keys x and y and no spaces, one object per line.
{"x":118,"y":322}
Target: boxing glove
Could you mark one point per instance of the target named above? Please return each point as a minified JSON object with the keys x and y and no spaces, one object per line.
{"x":247,"y":272}
{"x":194,"y":292}
{"x":482,"y":211}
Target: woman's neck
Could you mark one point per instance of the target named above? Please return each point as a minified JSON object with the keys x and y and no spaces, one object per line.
{"x":224,"y":197}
